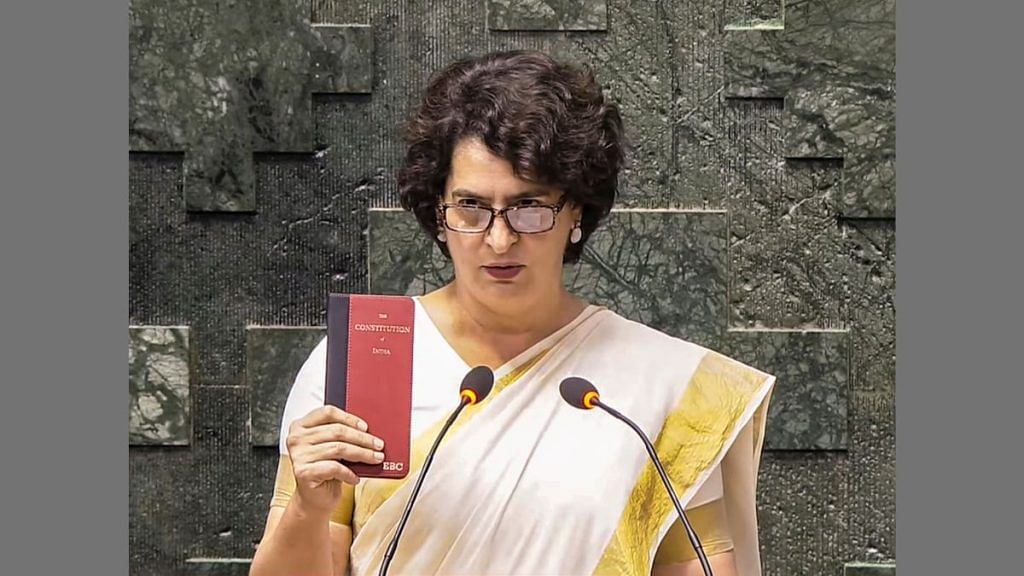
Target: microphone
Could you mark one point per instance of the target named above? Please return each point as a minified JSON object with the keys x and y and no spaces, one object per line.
{"x":476,"y":385}
{"x":580,"y":393}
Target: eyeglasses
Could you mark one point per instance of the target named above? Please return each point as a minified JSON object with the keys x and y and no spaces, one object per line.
{"x":529,"y":219}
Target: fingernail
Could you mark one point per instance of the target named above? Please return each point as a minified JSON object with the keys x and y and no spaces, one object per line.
{"x":378,"y":455}
{"x":362,"y":425}
{"x":378,"y":443}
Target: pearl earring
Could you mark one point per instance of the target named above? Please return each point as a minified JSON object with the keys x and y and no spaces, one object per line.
{"x":576,"y":235}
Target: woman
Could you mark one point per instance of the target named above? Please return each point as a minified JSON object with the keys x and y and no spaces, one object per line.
{"x":512,"y":163}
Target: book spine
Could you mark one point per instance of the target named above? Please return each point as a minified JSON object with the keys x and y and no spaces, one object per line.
{"x":336,"y":383}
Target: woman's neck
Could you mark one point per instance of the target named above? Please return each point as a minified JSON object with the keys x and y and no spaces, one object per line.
{"x":531,"y":321}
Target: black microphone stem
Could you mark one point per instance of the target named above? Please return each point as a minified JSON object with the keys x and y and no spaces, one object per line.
{"x":393,"y":546}
{"x":668,"y":485}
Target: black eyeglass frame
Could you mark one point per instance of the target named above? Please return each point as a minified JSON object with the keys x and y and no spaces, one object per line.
{"x":555,"y":208}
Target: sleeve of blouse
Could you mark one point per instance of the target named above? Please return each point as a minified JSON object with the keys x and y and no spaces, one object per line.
{"x":706,"y":513}
{"x":710,"y":523}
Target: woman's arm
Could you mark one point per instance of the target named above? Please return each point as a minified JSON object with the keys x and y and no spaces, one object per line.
{"x":307,"y":543}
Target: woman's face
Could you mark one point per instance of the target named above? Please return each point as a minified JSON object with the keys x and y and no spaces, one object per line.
{"x":499,"y":266}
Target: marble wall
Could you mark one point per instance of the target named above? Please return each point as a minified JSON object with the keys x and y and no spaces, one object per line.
{"x":757,"y":217}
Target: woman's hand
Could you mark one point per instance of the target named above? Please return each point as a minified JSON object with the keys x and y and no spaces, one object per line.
{"x":315,"y":444}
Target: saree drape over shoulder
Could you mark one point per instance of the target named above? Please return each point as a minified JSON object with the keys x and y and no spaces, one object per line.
{"x":526,"y":484}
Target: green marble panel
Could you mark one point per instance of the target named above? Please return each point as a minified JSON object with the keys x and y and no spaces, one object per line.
{"x":547,"y":14}
{"x":665,"y":269}
{"x":342,"y":62}
{"x":158,"y":385}
{"x":809,"y":407}
{"x":863,"y":569}
{"x":273,"y":356}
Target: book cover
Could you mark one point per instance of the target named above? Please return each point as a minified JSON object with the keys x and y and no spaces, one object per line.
{"x":369,"y":372}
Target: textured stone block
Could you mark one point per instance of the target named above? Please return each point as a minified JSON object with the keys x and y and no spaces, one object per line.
{"x":221,"y":81}
{"x":863,"y":569}
{"x":228,"y":478}
{"x":809,"y":407}
{"x":871,"y":249}
{"x":273,"y":356}
{"x":547,"y":14}
{"x":161,"y":505}
{"x":872,"y":488}
{"x":634,"y":64}
{"x":802,"y":513}
{"x":158,"y":385}
{"x":788,"y":255}
{"x":342,"y":60}
{"x":221,"y":421}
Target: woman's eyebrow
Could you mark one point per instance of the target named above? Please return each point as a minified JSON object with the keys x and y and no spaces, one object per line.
{"x":531,"y":193}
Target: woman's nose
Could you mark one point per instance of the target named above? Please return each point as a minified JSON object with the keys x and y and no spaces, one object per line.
{"x":500,"y":236}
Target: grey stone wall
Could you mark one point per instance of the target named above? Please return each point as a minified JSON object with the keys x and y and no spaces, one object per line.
{"x":758,"y":218}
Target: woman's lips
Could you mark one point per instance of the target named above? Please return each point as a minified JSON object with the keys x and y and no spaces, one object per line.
{"x":503,"y":272}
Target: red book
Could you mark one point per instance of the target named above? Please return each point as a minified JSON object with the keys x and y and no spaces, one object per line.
{"x":369,"y":372}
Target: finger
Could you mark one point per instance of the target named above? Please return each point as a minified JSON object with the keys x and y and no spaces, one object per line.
{"x":342,"y":433}
{"x":342,"y":451}
{"x":325,"y":470}
{"x":331,"y":414}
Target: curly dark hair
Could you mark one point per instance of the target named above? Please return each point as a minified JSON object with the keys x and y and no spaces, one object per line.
{"x":548,"y":119}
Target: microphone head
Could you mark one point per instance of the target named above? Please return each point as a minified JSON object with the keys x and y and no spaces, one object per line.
{"x":477,"y":384}
{"x":579,"y":392}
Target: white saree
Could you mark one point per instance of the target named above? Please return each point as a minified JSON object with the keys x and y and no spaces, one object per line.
{"x":526,"y":484}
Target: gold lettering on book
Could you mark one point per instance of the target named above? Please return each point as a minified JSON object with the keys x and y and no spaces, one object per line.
{"x":389,"y":328}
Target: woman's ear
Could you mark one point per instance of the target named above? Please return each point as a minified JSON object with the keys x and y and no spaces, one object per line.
{"x":577,"y":213}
